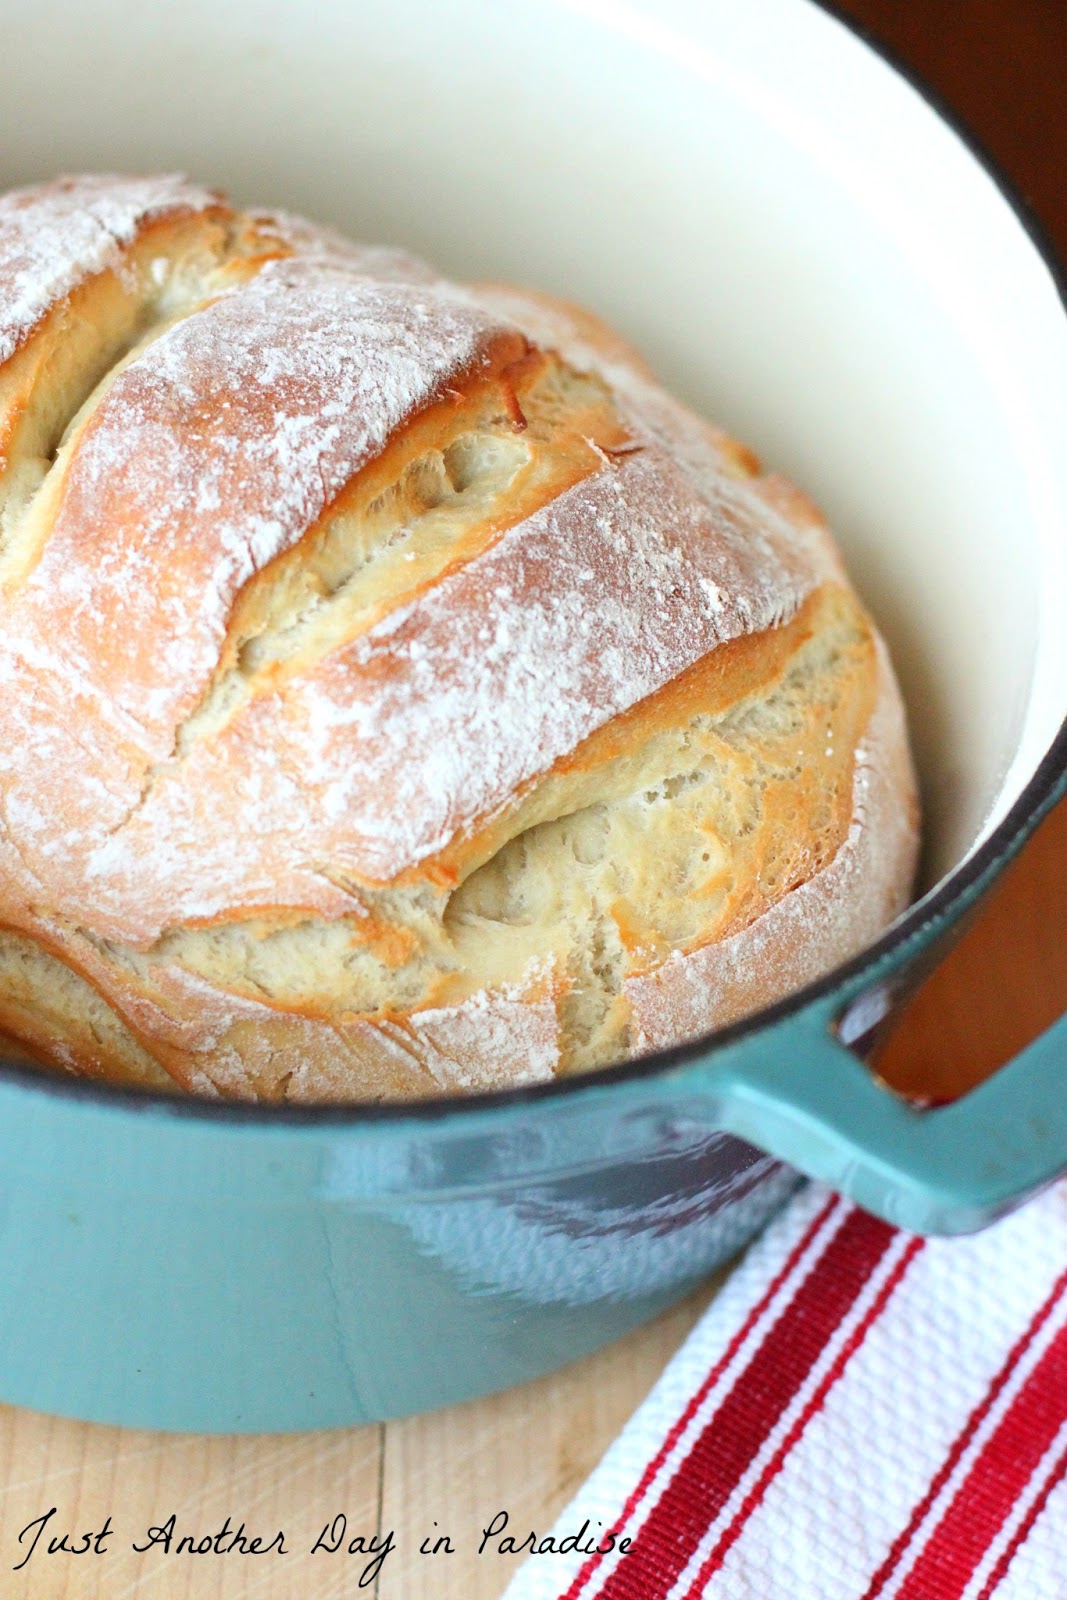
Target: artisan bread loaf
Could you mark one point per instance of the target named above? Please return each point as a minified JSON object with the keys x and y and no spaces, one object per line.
{"x":399,"y":691}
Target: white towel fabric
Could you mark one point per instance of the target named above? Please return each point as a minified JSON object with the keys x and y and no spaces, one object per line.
{"x":860,"y":1415}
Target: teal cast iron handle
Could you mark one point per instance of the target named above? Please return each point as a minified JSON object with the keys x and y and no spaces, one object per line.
{"x":809,"y":1100}
{"x":946,"y":1169}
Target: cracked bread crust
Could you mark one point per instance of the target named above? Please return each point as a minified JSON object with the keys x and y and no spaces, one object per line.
{"x":399,"y":691}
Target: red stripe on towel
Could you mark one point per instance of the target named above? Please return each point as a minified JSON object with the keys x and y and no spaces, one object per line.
{"x":1000,"y":1474}
{"x":740,"y":1426}
{"x":901,"y":1544}
{"x":1025,"y":1528}
{"x":755,"y":1496}
{"x":701,"y":1394}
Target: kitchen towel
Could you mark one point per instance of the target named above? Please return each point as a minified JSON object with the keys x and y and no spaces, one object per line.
{"x":860,"y":1415}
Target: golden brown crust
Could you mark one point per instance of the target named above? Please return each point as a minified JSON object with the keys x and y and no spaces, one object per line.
{"x":845,"y":902}
{"x":396,"y":684}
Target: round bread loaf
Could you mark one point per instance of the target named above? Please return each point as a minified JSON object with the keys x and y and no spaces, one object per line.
{"x":399,"y":691}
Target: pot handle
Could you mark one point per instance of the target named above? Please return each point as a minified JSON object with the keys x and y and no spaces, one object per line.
{"x":945,"y":1169}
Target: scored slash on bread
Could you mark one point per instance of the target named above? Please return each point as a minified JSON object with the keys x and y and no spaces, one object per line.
{"x":399,"y":691}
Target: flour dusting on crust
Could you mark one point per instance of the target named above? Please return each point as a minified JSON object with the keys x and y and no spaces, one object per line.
{"x":490,"y":1040}
{"x":224,"y":441}
{"x":381,"y":754}
{"x":813,"y":928}
{"x":54,"y":237}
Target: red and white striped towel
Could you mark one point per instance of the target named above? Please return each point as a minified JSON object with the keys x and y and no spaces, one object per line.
{"x":860,"y":1414}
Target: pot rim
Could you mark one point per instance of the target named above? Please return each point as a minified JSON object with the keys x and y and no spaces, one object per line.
{"x":940,"y":905}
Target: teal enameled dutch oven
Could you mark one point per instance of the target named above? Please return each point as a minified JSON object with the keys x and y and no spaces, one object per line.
{"x":810,"y":252}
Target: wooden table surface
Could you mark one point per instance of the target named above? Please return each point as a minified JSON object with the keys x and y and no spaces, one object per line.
{"x":1001,"y":62}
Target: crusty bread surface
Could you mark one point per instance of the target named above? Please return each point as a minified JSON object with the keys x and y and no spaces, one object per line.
{"x":400,"y":693}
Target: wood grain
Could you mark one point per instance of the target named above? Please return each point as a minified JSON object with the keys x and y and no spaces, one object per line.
{"x":1001,"y":986}
{"x":295,"y":1482}
{"x":526,"y":1452}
